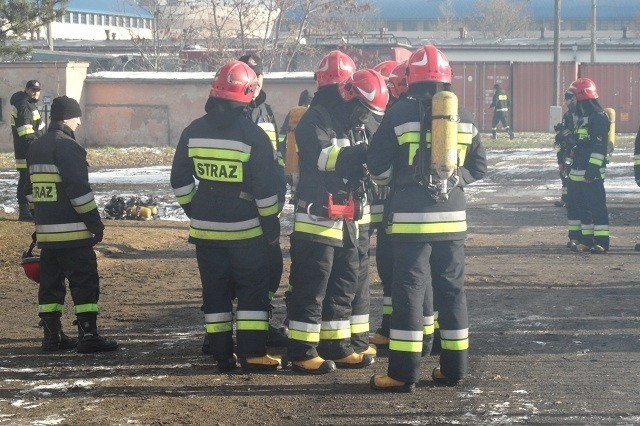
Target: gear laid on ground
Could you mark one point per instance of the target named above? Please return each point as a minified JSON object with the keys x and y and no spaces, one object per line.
{"x":135,"y":208}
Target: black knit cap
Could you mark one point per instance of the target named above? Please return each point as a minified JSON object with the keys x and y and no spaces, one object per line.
{"x":64,"y":108}
{"x":33,"y":84}
{"x":254,"y":62}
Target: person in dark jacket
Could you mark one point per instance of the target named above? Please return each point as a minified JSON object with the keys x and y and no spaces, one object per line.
{"x":636,"y":167}
{"x":68,"y":225}
{"x":324,"y":251}
{"x":500,"y":104}
{"x":261,"y":113}
{"x":564,"y":143}
{"x":427,"y":230}
{"x":26,"y":126}
{"x":234,"y":216}
{"x":587,"y":173}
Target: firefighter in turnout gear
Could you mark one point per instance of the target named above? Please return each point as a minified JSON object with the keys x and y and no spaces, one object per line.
{"x":234,"y":215}
{"x":26,"y":126}
{"x":261,"y":113}
{"x":587,"y":173}
{"x":500,"y":104}
{"x":324,"y":252}
{"x":564,"y":143}
{"x":68,"y":225}
{"x":636,"y":167}
{"x":426,"y":219}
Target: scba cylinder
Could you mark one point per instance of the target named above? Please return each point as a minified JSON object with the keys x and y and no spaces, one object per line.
{"x":444,"y":134}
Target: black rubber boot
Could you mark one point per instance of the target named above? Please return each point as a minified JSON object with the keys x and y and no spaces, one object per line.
{"x":54,"y":338}
{"x":89,"y":340}
{"x":24,"y":214}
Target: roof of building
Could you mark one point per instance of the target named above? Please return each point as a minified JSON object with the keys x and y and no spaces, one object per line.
{"x":624,"y":10}
{"x":109,"y":7}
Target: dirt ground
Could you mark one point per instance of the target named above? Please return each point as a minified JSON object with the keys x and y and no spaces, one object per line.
{"x":555,"y":336}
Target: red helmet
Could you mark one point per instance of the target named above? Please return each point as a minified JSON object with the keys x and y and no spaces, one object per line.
{"x":334,"y":68}
{"x":385,"y":68}
{"x":31,"y":266}
{"x":369,"y":87}
{"x":397,"y":83}
{"x":428,"y":64}
{"x":235,"y":81}
{"x":584,"y":88}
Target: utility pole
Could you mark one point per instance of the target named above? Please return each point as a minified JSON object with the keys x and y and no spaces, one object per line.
{"x":593,"y":31}
{"x":556,"y":54}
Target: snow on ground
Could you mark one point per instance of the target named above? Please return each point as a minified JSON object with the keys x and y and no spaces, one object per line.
{"x":535,"y":169}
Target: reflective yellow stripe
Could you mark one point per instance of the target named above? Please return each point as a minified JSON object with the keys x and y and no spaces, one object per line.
{"x":87,"y":307}
{"x":45,"y":178}
{"x":21,"y":163}
{"x":428,"y":228}
{"x":204,"y":234}
{"x":304,"y":336}
{"x":405,"y":346}
{"x":219,"y":170}
{"x":25,"y":130}
{"x":219,"y":153}
{"x":63,"y":236}
{"x":269,"y":211}
{"x":596,"y":161}
{"x":50,"y":307}
{"x":221,"y":327}
{"x":252,"y":325}
{"x":86,"y":208}
{"x":359,"y":328}
{"x":387,"y":310}
{"x":428,"y":329}
{"x":335,"y":334}
{"x":322,"y":231}
{"x":44,"y":192}
{"x":455,"y":345}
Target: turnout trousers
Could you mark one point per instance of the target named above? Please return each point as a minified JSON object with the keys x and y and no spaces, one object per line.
{"x":323,"y":283}
{"x":575,"y":204}
{"x":423,"y":271}
{"x":384,"y":263}
{"x":23,"y":180}
{"x":274,"y":254}
{"x":79,"y":266}
{"x":243,"y":270}
{"x":362,"y":298}
{"x":594,"y":217}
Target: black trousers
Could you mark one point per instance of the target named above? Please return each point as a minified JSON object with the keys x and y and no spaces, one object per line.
{"x":240,"y":270}
{"x":500,"y":117}
{"x":384,"y":262}
{"x":23,"y":181}
{"x":274,"y":254}
{"x":424,"y":271}
{"x":575,"y":204}
{"x":594,"y":216}
{"x":80,"y":267}
{"x":323,"y":284}
{"x":361,"y":304}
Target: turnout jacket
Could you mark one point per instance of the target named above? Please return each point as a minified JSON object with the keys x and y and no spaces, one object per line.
{"x":411,"y":213}
{"x":500,"y":101}
{"x":234,"y":162}
{"x":329,"y":162}
{"x":65,"y":209}
{"x":26,"y":125}
{"x":591,"y":130}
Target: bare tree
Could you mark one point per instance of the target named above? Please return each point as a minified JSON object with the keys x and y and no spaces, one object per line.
{"x":449,"y":19}
{"x":502,"y":19}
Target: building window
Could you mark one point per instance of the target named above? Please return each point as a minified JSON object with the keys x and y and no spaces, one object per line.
{"x":118,"y":21}
{"x":67,"y":17}
{"x":410,"y":25}
{"x":92,"y":19}
{"x":147,"y":23}
{"x":83,"y":18}
{"x":58,"y":18}
{"x":75,"y":18}
{"x":109,"y":20}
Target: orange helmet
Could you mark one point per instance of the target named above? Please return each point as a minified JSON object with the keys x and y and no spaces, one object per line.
{"x":369,"y":87}
{"x":385,"y":68}
{"x":584,"y":88}
{"x":397,"y":83}
{"x":428,"y":64}
{"x":235,"y":81}
{"x":334,"y":68}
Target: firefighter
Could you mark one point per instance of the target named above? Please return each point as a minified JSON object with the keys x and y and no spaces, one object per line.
{"x":587,"y":173}
{"x":234,"y":215}
{"x":564,"y":142}
{"x":261,"y":113}
{"x":26,"y":126}
{"x":324,"y":252}
{"x":426,"y":223}
{"x":68,"y":225}
{"x":636,"y":167}
{"x":500,"y":104}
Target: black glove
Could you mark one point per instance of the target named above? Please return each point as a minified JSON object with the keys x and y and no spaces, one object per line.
{"x":270,"y":228}
{"x":361,"y":152}
{"x":592,"y":173}
{"x":97,"y":237}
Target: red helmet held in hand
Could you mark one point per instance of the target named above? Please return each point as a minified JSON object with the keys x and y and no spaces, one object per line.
{"x":583,"y":89}
{"x":397,"y":83}
{"x":369,"y":87}
{"x":31,"y":263}
{"x":235,"y":81}
{"x":334,"y":68}
{"x":428,"y":64}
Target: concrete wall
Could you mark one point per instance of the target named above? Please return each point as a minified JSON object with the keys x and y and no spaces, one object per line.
{"x":56,"y":78}
{"x":152,"y":109}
